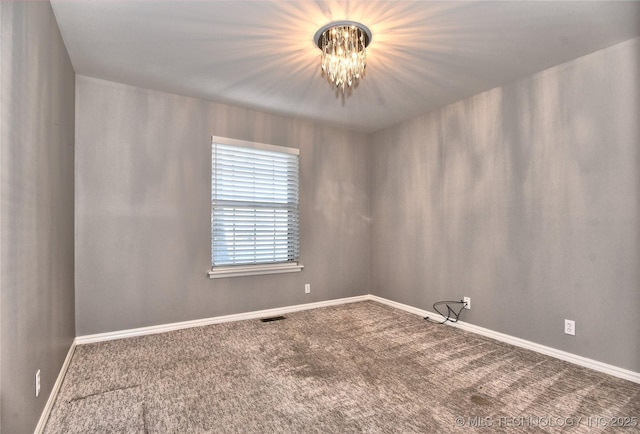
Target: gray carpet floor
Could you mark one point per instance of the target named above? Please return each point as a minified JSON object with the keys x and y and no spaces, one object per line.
{"x":361,"y":367}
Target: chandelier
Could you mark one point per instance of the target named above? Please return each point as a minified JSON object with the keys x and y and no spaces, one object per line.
{"x":344,"y":54}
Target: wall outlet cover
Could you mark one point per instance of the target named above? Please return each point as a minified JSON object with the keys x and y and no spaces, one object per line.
{"x":570,"y":327}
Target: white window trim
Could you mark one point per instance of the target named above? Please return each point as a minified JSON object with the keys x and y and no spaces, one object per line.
{"x":254,"y":270}
{"x":255,"y":145}
{"x":262,"y":269}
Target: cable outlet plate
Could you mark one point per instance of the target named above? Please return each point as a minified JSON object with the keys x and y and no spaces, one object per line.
{"x":467,"y":300}
{"x":570,"y":327}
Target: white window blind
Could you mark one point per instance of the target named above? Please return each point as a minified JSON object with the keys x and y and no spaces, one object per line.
{"x":254,"y":204}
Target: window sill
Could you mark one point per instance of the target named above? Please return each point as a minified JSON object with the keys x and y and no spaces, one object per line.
{"x":254,"y":270}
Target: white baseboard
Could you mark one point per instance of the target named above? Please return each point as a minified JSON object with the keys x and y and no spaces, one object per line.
{"x":54,"y":391}
{"x":549,"y":351}
{"x":87,"y":339}
{"x":558,"y":354}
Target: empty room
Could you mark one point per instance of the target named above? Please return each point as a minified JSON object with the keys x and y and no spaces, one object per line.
{"x":319,"y":216}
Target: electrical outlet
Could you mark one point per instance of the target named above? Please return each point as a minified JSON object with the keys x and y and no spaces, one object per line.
{"x":37,"y":383}
{"x":570,"y":327}
{"x":307,"y":288}
{"x":468,"y":301}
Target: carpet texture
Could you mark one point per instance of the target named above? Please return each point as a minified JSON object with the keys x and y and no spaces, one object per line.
{"x":361,"y":367}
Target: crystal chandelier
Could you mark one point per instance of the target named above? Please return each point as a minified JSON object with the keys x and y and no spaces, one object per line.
{"x":344,"y":54}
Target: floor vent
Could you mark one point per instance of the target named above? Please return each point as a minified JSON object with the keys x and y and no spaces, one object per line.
{"x":273,"y":318}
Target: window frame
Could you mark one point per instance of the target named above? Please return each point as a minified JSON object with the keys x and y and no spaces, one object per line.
{"x":257,"y":268}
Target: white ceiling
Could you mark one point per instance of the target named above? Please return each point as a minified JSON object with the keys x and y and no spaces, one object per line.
{"x":260,"y":54}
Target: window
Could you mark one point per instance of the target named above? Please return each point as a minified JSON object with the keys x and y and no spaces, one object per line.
{"x":254,"y":208}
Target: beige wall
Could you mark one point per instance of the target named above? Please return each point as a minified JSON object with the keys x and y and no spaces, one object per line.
{"x":143,"y":170}
{"x":36,"y":201}
{"x":526,"y":199}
